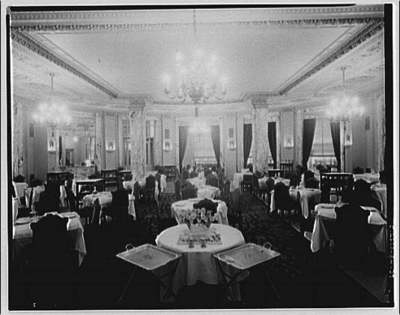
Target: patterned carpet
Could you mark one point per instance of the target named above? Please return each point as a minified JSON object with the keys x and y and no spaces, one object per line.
{"x":300,"y":278}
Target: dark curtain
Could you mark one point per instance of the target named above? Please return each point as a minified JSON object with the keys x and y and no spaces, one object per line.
{"x":183,"y":134}
{"x":247,"y":138}
{"x":272,"y":140}
{"x":60,"y":148}
{"x":335,"y":132}
{"x":215,"y":142}
{"x":308,"y":138}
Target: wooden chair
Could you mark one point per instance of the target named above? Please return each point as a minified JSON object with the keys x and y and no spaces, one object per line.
{"x":247,"y":183}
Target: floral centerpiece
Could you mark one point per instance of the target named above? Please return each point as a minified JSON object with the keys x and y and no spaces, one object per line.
{"x":201,"y":216}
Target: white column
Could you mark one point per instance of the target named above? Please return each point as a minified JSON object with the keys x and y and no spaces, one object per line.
{"x":298,"y":137}
{"x":260,"y":138}
{"x":99,"y":157}
{"x":137,"y":126}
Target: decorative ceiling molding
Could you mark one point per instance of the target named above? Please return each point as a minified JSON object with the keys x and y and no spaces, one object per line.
{"x":27,"y":41}
{"x":140,"y":20}
{"x":365,"y":33}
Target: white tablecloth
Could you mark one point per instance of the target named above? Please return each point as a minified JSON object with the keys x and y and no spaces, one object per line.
{"x":35,"y":195}
{"x":325,"y":212}
{"x":380,"y":191}
{"x":20,"y":189}
{"x":308,"y":195}
{"x":370,"y":178}
{"x":105,"y":199}
{"x":198,"y":264}
{"x":197,"y":182}
{"x":179,"y":207}
{"x":22,"y":235}
{"x":237,"y":179}
{"x":209,"y":192}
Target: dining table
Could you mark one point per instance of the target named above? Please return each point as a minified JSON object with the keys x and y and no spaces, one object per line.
{"x":380,"y":193}
{"x":105,"y":200}
{"x":238,"y":178}
{"x":22,"y":233}
{"x":19,"y":188}
{"x":181,"y":207}
{"x":370,"y":178}
{"x":197,"y":263}
{"x":324,"y":227}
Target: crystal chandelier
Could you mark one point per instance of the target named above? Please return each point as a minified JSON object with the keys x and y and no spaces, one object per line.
{"x":344,"y":106}
{"x":195,"y":80}
{"x":51,"y":113}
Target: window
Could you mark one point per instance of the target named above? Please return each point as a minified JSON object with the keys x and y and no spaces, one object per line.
{"x":203,"y":148}
{"x":322,"y":149}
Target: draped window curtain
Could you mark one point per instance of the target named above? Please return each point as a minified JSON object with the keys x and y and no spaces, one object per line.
{"x":272,"y":140}
{"x":335,"y":132}
{"x":59,"y":149}
{"x":308,"y":138}
{"x":247,"y":138}
{"x":216,"y":142}
{"x":183,"y":134}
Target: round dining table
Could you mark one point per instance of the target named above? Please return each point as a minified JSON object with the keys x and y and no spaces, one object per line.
{"x":198,"y":263}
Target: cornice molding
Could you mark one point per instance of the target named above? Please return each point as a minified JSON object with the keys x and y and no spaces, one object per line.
{"x":365,"y":33}
{"x":134,"y":20}
{"x":27,"y":41}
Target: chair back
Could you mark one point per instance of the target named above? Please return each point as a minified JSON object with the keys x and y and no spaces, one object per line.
{"x":178,"y":189}
{"x":150,"y":182}
{"x":352,"y":236}
{"x":95,"y":218}
{"x":189,"y":191}
{"x":50,"y":234}
{"x":212,"y":180}
{"x":282,"y":197}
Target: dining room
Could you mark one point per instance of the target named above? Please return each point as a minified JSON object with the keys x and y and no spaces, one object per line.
{"x":201,"y":157}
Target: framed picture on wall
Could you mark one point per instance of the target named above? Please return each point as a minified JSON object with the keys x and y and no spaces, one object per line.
{"x":288,"y":142}
{"x":110,"y":145}
{"x":231,"y":144}
{"x":167,"y":145}
{"x":51,"y":146}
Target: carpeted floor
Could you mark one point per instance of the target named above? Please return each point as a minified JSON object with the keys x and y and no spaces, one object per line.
{"x":301,"y":279}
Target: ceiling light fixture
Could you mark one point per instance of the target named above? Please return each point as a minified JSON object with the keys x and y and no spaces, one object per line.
{"x":344,"y":106}
{"x":197,"y":80}
{"x":51,"y":113}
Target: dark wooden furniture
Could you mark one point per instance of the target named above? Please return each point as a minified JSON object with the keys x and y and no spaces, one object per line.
{"x":124,"y":174}
{"x":90,"y":184}
{"x":287,"y":168}
{"x":334,"y":184}
{"x":274,"y":172}
{"x":109,"y":177}
{"x":170,"y":171}
{"x":59,"y":177}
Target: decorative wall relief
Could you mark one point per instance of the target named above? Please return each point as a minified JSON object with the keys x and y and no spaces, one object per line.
{"x":167,"y":145}
{"x":110,"y":145}
{"x":51,"y":146}
{"x":288,"y":142}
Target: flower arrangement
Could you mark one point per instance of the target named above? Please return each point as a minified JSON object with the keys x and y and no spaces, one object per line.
{"x":198,"y":219}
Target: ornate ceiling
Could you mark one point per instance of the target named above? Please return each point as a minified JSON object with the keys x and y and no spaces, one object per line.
{"x":112,"y":59}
